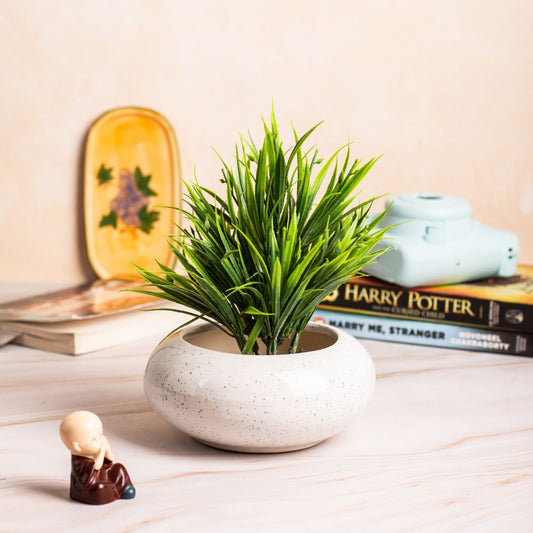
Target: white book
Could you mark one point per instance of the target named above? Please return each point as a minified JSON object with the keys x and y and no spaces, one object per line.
{"x":86,"y":335}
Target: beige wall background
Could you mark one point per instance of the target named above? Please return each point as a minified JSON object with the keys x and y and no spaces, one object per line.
{"x":442,"y":89}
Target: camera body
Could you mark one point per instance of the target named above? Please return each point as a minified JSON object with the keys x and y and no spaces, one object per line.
{"x":434,"y":241}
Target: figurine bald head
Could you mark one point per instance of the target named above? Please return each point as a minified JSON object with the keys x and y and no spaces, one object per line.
{"x":82,"y":434}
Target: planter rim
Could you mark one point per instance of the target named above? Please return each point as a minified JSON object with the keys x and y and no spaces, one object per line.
{"x":324,"y":329}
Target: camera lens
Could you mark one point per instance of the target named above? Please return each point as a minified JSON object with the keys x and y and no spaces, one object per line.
{"x":428,"y":196}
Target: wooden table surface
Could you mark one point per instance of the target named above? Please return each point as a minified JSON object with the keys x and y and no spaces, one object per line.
{"x":446,"y":444}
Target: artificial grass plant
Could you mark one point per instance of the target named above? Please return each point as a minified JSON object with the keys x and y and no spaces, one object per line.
{"x":289,"y":230}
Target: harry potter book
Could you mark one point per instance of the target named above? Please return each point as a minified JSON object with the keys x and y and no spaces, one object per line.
{"x":495,"y":303}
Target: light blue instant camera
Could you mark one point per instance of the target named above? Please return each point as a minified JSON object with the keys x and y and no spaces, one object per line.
{"x":435,"y":242}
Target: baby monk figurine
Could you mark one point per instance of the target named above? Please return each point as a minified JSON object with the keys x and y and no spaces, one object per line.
{"x":94,"y":478}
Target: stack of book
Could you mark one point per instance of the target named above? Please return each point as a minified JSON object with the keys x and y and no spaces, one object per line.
{"x":490,"y":315}
{"x":87,"y":317}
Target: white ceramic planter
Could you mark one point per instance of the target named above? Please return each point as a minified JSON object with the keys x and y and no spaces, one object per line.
{"x":199,"y":383}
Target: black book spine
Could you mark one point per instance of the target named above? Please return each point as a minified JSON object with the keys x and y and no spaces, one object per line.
{"x":412,"y":304}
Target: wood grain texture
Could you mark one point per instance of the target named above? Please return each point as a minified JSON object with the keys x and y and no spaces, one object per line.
{"x":446,"y":444}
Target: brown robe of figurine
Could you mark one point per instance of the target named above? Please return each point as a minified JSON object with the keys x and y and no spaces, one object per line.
{"x":97,"y":487}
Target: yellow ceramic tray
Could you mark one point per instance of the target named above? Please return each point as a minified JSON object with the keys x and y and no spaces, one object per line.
{"x":131,"y":171}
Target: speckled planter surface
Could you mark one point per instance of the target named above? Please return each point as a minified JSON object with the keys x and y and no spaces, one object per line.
{"x":259,"y":403}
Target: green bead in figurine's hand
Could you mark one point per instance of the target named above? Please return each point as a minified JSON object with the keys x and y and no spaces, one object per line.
{"x":95,"y":479}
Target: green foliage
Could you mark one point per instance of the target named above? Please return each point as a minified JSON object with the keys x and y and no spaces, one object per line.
{"x":147,"y":218}
{"x":143,"y":183}
{"x":109,"y":220}
{"x":104,"y":175}
{"x":260,"y":260}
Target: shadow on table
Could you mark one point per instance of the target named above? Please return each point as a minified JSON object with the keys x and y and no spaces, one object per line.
{"x":150,"y":431}
{"x":58,"y":489}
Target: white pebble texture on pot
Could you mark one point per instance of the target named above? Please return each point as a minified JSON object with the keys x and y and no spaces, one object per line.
{"x":259,"y":403}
